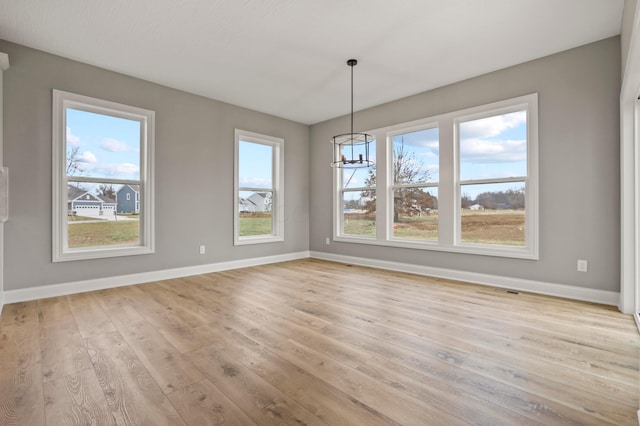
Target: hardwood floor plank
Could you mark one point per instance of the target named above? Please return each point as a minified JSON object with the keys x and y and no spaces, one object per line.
{"x":127,"y":385}
{"x":380,"y":397}
{"x":19,"y":313}
{"x":76,"y":399}
{"x":175,"y":329}
{"x":20,"y":345}
{"x":260,"y":400}
{"x":316,"y":342}
{"x":63,"y":352}
{"x":527,"y":340}
{"x":90,"y":317}
{"x":202,"y":403}
{"x":169,"y":368}
{"x":316,"y":396}
{"x":55,"y":312}
{"x":21,"y":395}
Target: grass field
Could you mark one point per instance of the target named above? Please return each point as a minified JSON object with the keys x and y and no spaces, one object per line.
{"x":103,"y":233}
{"x":252,"y":224}
{"x":504,"y":227}
{"x":501,"y":227}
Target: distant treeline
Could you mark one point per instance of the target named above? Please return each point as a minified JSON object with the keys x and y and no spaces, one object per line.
{"x":510,"y":199}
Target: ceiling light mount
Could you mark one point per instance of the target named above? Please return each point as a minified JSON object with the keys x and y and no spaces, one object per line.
{"x":351,"y":150}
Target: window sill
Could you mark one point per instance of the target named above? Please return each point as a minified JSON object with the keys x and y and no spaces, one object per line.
{"x":474,"y":249}
{"x":257,"y":240}
{"x":87,"y":253}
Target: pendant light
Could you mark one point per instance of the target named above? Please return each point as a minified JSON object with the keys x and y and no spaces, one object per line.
{"x":351,"y":150}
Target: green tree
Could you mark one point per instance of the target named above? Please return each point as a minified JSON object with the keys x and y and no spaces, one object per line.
{"x":406,"y":169}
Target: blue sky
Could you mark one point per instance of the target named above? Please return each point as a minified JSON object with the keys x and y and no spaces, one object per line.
{"x":492,"y":147}
{"x":255,"y":169}
{"x":107,"y":146}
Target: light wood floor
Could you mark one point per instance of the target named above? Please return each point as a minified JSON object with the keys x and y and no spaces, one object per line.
{"x":314,"y":342}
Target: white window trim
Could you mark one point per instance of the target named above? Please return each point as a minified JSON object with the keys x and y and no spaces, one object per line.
{"x":277,"y":179}
{"x":60,"y":251}
{"x":449,"y":185}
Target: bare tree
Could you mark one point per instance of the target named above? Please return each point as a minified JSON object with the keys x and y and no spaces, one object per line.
{"x":107,"y":190}
{"x":406,"y":169}
{"x":73,"y":164}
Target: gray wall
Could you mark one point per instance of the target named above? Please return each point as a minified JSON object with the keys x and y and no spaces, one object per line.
{"x":578,"y":156}
{"x":194,"y":168}
{"x":579,"y":169}
{"x":628,"y":17}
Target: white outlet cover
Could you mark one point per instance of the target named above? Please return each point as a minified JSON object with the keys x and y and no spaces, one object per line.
{"x":583,"y":265}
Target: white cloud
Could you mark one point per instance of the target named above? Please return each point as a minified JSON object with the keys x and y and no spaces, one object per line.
{"x":71,"y":138}
{"x":484,"y":151}
{"x":117,"y":170}
{"x":86,"y":157}
{"x":114,"y":145}
{"x":429,"y":154}
{"x":125,"y":168}
{"x":492,"y":126}
{"x":255,"y":182}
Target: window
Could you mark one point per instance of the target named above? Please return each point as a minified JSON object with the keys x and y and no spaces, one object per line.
{"x":492,"y":165}
{"x":358,"y":198}
{"x":100,"y":149}
{"x":414,"y":171}
{"x":463,"y":182}
{"x":258,"y":205}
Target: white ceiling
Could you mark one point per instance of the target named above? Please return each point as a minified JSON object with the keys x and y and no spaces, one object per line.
{"x":288,"y":57}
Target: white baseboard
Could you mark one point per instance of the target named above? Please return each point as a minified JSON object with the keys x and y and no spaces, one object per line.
{"x":54,"y":290}
{"x":549,"y":289}
{"x":637,"y":318}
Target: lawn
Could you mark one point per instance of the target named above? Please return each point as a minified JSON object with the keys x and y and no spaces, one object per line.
{"x":501,"y":227}
{"x":252,"y":224}
{"x":103,"y":233}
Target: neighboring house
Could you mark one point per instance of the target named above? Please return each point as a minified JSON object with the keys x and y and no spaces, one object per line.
{"x":476,"y":207}
{"x":256,"y":202}
{"x":82,"y":203}
{"x":128,"y":199}
{"x":246,"y":206}
{"x":262,"y":201}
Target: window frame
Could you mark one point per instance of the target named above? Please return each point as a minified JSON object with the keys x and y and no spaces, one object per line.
{"x":449,"y":184}
{"x":277,"y":181}
{"x":339,"y":200}
{"x":60,"y":250}
{"x":421,"y":125}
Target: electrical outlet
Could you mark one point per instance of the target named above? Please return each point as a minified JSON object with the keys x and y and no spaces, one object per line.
{"x":582,"y":265}
{"x":203,"y":249}
{"x":327,"y":241}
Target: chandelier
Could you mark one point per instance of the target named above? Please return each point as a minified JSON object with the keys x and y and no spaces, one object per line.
{"x":351,"y":150}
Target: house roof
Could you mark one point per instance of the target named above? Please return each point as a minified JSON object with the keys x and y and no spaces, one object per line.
{"x":135,"y":188}
{"x":288,"y":58}
{"x":73,"y":192}
{"x":106,"y":199}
